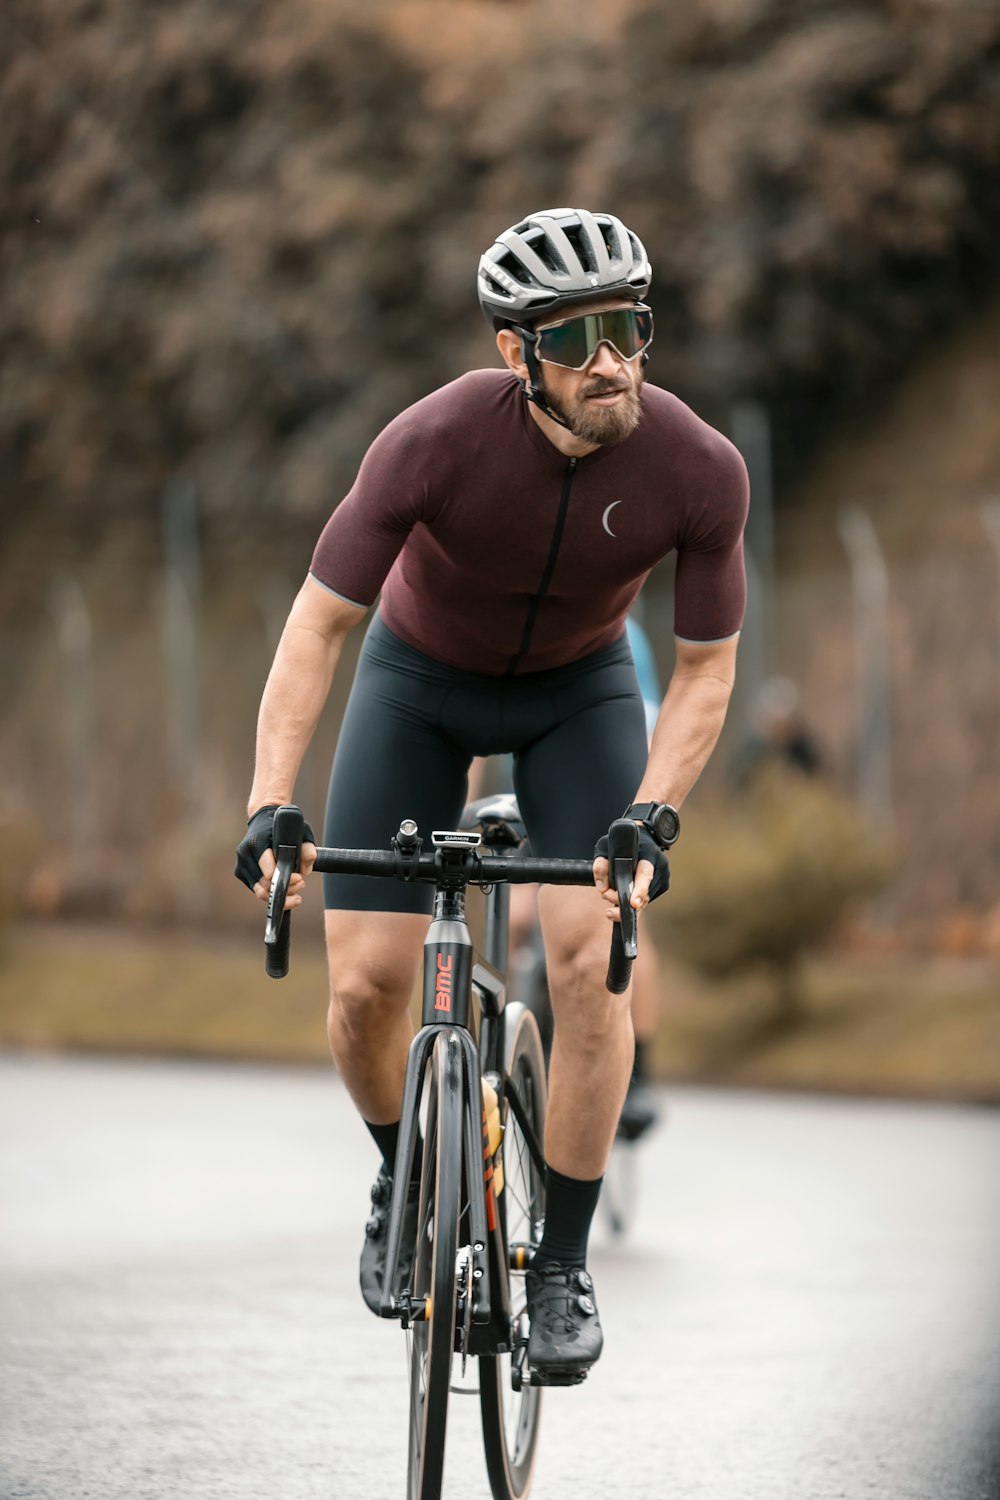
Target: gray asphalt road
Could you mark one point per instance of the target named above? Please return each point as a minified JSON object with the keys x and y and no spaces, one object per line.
{"x":808,"y":1307}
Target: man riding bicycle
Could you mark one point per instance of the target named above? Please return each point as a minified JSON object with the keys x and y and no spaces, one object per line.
{"x":509,"y":520}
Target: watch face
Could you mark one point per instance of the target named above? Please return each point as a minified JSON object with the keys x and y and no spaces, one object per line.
{"x":667,"y":826}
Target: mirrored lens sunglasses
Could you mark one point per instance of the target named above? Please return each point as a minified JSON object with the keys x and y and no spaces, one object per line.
{"x":572,"y":344}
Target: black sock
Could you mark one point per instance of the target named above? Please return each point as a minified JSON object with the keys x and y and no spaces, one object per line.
{"x":386,"y":1138}
{"x":569,"y":1208}
{"x":639,"y":1065}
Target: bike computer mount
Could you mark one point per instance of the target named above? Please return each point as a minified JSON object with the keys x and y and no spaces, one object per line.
{"x":460,"y":839}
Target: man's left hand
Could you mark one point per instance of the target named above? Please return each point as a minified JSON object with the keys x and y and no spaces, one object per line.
{"x":652,"y":875}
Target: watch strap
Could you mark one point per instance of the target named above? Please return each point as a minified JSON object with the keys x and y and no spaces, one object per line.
{"x":640,"y":811}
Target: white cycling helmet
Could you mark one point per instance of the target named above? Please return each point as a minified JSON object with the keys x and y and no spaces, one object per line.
{"x":557,"y":256}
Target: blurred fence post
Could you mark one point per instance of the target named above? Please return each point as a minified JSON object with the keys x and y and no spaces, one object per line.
{"x":181,"y":591}
{"x":76,"y":650}
{"x":989,"y":510}
{"x":751,"y":433}
{"x":870,"y":582}
{"x":753,"y":648}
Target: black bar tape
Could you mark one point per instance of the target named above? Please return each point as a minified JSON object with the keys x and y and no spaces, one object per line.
{"x":366,"y":862}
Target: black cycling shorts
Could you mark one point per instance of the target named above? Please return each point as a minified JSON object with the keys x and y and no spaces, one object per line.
{"x":412,"y":726}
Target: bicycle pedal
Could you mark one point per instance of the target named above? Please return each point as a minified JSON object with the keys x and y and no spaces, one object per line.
{"x":555,"y":1377}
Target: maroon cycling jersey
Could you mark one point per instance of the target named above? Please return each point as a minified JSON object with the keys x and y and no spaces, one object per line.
{"x":496,"y":553}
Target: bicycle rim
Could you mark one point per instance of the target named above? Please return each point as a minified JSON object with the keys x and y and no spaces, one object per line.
{"x":433,"y":1339}
{"x":511,"y":1418}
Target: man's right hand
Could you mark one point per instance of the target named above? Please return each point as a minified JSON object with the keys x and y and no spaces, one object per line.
{"x":255,"y":861}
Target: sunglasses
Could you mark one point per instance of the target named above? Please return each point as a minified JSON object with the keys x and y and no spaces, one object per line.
{"x":573,"y":343}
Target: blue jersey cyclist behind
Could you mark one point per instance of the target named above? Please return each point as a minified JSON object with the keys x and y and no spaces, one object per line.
{"x":508,"y":522}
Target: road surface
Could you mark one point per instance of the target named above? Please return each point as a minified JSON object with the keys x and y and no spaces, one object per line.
{"x":809,"y":1307}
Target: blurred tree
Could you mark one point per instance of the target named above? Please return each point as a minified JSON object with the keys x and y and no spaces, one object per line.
{"x":766,"y":877}
{"x":237,"y":240}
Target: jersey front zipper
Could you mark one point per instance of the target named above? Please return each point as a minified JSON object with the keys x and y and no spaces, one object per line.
{"x":550,"y":567}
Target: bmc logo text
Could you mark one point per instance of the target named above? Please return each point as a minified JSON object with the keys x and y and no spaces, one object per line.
{"x":442,"y":990}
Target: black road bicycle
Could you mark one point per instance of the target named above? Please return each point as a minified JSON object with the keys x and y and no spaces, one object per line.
{"x":475,"y":1089}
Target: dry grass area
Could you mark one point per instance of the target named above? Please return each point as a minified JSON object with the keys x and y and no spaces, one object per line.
{"x":176,"y":993}
{"x":867,"y":1024}
{"x":908,"y":1027}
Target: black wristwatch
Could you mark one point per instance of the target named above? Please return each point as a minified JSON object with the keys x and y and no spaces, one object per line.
{"x":662,"y":820}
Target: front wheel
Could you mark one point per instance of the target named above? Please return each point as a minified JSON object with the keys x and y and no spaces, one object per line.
{"x":433,"y":1338}
{"x":511,"y":1418}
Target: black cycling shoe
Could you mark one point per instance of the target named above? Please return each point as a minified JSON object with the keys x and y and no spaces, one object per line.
{"x":377,"y":1238}
{"x":565,"y":1337}
{"x":640,"y":1112}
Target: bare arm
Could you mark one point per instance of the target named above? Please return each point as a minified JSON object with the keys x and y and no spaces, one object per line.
{"x":690,"y":720}
{"x":689,"y":724}
{"x":296,"y":690}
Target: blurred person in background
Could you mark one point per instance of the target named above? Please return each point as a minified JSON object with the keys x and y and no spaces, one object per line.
{"x":778,"y":736}
{"x":510,"y":520}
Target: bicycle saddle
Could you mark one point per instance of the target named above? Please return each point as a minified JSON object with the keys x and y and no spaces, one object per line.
{"x":499,"y":818}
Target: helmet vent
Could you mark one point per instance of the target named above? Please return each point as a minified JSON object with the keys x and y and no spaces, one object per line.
{"x":610,"y":239}
{"x":581,"y":245}
{"x":494,"y":286}
{"x":546,"y":251}
{"x":517,"y":269}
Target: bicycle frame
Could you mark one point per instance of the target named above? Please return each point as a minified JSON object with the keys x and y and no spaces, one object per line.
{"x":452,"y":976}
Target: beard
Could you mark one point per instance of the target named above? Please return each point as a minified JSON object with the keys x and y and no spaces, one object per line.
{"x":606,"y":425}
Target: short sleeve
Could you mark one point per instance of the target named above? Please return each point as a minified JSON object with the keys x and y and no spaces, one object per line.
{"x":364,"y":536}
{"x":710,"y":589}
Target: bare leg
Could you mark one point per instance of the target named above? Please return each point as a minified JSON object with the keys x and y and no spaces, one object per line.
{"x":523,"y":915}
{"x":373,"y":958}
{"x":646,"y":991}
{"x":592,"y":1047}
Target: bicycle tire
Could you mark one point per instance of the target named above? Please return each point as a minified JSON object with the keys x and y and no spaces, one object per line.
{"x":619,"y":1200}
{"x":433,"y":1340}
{"x":511,"y":1418}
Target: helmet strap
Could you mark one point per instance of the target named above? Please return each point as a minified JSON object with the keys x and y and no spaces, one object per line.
{"x":530,"y":387}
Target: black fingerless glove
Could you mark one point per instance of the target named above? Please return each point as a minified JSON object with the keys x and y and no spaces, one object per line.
{"x":258,"y":837}
{"x":648,"y":849}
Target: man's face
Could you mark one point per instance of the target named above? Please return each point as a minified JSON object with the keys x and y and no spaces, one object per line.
{"x":600,"y":403}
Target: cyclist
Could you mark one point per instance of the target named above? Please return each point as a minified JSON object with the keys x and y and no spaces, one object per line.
{"x":510,"y":519}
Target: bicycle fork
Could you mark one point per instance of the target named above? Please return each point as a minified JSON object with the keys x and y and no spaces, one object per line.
{"x":448,"y":978}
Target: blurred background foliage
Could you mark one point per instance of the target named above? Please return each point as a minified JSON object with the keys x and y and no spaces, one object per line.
{"x":769,"y":875}
{"x":240,"y":236}
{"x":237,"y":236}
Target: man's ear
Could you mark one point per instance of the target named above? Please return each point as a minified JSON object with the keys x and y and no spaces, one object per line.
{"x":512,"y":352}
